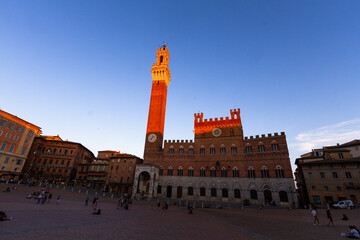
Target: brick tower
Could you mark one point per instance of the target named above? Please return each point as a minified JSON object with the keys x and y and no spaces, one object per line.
{"x":160,"y":80}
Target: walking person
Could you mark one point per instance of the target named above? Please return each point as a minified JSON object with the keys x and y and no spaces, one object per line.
{"x":39,"y":199}
{"x":328,"y":214}
{"x":315,"y":215}
{"x":50,"y":196}
{"x":87,"y":200}
{"x":44,"y":199}
{"x":58,"y":200}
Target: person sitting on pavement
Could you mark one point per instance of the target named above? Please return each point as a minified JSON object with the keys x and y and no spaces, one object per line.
{"x":4,"y":217}
{"x":345,"y":218}
{"x":354,"y":232}
{"x":98,"y":212}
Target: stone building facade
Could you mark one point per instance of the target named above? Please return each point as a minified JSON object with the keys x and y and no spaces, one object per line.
{"x":16,"y":138}
{"x":329,"y":174}
{"x":121,"y":173}
{"x":220,"y":164}
{"x":55,"y":160}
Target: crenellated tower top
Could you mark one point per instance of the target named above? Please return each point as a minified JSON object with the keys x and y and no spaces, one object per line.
{"x":160,"y":70}
{"x":207,"y":125}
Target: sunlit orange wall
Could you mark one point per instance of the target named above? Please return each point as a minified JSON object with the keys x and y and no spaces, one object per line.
{"x":157,"y":108}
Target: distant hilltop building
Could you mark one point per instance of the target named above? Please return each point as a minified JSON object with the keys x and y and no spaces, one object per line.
{"x":329,"y":174}
{"x":16,"y":137}
{"x":219,"y":165}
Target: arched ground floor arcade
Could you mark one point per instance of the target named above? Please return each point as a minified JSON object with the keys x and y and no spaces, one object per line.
{"x":253,"y":191}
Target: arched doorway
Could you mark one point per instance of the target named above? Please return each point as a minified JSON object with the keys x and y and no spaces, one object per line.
{"x":144,"y":184}
{"x":168,"y":191}
{"x":179,"y":191}
{"x":267,"y":196}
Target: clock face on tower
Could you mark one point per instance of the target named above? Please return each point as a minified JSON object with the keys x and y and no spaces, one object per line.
{"x":152,"y":137}
{"x":216,"y":132}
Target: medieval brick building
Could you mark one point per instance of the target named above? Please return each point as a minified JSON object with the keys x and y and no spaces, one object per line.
{"x":56,"y":160}
{"x":220,"y":164}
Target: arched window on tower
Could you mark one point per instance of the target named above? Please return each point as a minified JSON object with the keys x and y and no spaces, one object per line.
{"x":161,"y":171}
{"x":231,"y":132}
{"x":161,"y":59}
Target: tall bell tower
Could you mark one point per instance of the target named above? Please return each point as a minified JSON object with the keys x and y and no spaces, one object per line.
{"x":160,"y":80}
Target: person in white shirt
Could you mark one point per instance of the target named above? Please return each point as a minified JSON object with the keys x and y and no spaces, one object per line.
{"x":354,"y":232}
{"x":314,"y":213}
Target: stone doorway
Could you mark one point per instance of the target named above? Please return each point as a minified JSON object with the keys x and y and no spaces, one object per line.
{"x":144,"y":184}
{"x":179,"y":192}
{"x":267,"y":196}
{"x":168,"y":191}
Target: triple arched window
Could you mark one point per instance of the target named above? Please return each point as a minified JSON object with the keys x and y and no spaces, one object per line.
{"x":180,"y":171}
{"x":212,"y":172}
{"x":261,"y":147}
{"x":171,"y":150}
{"x":235,"y":172}
{"x":279,"y":172}
{"x":202,"y":172}
{"x":222,"y":149}
{"x":223,"y":172}
{"x":181,"y":150}
{"x":264,"y":172}
{"x":248,"y":149}
{"x":233,"y":149}
{"x":212,"y":150}
{"x":191,"y":150}
{"x":251,"y":172}
{"x":190,"y":171}
{"x":202,"y":150}
{"x":275,"y":147}
{"x":170,"y":171}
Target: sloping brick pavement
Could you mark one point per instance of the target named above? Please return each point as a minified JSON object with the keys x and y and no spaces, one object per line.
{"x":71,"y":219}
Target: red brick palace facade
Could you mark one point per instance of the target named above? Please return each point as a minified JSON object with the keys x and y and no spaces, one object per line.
{"x":220,"y":164}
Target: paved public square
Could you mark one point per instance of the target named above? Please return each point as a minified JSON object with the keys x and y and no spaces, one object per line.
{"x":72,"y":219}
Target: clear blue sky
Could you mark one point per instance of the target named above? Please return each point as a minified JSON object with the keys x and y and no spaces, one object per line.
{"x":81,"y":69}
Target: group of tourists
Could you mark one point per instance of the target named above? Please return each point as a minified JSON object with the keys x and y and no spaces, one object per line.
{"x":124,"y":202}
{"x":354,"y":232}
{"x":43,"y":196}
